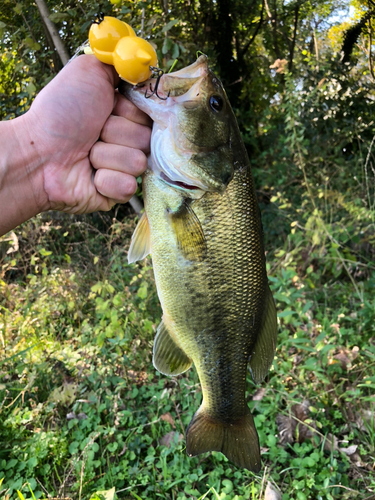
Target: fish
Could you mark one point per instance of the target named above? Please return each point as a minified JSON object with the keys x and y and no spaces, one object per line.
{"x":203,"y":229}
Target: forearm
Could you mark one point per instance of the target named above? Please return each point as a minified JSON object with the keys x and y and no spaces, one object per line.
{"x":21,"y":175}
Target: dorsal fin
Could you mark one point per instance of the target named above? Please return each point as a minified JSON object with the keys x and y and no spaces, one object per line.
{"x":263,"y":351}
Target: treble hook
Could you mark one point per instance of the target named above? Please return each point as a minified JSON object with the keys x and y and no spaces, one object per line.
{"x":154,"y":91}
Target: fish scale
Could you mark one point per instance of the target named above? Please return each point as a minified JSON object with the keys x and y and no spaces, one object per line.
{"x":208,"y":259}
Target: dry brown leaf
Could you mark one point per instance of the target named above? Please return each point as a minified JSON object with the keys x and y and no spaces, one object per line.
{"x":301,"y":411}
{"x":286,"y":427}
{"x":168,"y":439}
{"x":355,"y":352}
{"x":167,"y":417}
{"x":279,"y":65}
{"x":271,"y":493}
{"x":365,"y":419}
{"x":350,"y":450}
{"x":259,"y":394}
{"x":345,"y":357}
{"x":291,"y":428}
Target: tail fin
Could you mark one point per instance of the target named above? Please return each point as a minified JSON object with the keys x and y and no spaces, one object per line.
{"x":238,"y":441}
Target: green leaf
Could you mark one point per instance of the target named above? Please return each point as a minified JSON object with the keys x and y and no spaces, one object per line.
{"x":31,"y":89}
{"x":104,"y":495}
{"x":73,"y":447}
{"x":11,"y":464}
{"x":175,"y":51}
{"x":170,"y":25}
{"x":58,"y":17}
{"x":43,"y":251}
{"x":287,"y":312}
{"x":167,"y":45}
{"x":32,"y":462}
{"x":142,"y":291}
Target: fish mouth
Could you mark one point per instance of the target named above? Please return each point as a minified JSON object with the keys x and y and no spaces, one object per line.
{"x":168,"y":88}
{"x":178,"y":184}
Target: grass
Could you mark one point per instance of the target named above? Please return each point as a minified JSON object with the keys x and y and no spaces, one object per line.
{"x":83,"y":413}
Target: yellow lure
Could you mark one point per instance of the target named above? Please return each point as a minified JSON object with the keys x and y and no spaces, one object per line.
{"x":115,"y":42}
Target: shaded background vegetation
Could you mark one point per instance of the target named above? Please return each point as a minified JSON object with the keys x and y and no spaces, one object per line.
{"x":81,"y":407}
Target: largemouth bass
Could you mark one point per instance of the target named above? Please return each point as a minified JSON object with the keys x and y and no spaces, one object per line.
{"x":202,"y":227}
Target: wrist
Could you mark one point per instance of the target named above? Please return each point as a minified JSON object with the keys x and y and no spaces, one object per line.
{"x":22,"y":194}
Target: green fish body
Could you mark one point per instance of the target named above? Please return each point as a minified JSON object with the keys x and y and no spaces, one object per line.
{"x":202,"y":227}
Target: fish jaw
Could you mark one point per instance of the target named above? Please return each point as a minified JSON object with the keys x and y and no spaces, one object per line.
{"x":184,"y":155}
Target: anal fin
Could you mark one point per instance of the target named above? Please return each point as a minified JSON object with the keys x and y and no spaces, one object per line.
{"x":168,"y":357}
{"x":263,"y":351}
{"x":140,"y":243}
{"x":189,"y":233}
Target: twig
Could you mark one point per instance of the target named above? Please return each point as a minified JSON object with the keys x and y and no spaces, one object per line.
{"x":75,"y":461}
{"x":341,"y":486}
{"x":49,"y":496}
{"x":263,"y":481}
{"x":366,"y":176}
{"x":128,"y":488}
{"x":144,"y":425}
{"x":244,"y":50}
{"x":136,"y":204}
{"x":179,"y":418}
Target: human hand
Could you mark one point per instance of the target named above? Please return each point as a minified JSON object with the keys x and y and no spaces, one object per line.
{"x":78,"y":107}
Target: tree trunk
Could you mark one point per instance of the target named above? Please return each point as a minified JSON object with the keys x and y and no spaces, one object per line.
{"x":222,"y":36}
{"x":53,"y":31}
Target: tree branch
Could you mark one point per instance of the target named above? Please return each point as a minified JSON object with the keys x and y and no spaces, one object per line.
{"x":245,"y":49}
{"x":370,"y":62}
{"x":296,"y":14}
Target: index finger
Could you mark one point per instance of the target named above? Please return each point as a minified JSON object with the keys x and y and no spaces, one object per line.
{"x":123,"y":107}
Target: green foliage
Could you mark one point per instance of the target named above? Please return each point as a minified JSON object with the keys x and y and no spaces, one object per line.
{"x":83,"y":411}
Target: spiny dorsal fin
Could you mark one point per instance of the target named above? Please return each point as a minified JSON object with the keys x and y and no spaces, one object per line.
{"x":263,"y":351}
{"x":168,"y":357}
{"x":140,"y":243}
{"x":190,"y":237}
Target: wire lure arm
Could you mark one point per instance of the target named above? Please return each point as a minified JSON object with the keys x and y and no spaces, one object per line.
{"x":154,"y":91}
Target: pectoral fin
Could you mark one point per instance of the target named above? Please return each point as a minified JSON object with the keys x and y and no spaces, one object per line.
{"x":189,"y":233}
{"x":168,"y":357}
{"x":263,"y":351}
{"x":140,"y":243}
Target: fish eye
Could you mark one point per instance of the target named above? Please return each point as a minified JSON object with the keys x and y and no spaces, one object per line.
{"x":216,"y":103}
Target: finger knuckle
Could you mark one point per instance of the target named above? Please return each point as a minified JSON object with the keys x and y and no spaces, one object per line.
{"x":139,"y":162}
